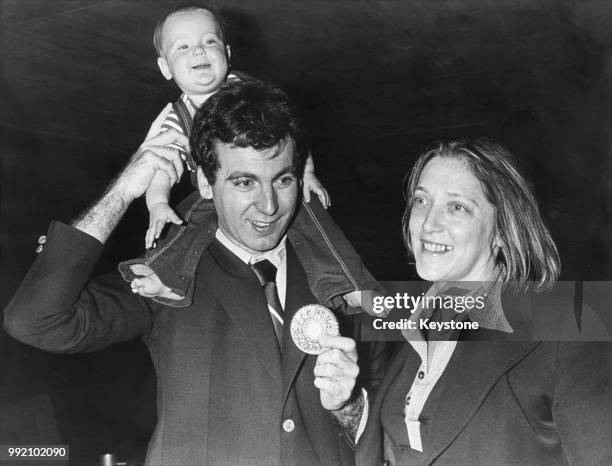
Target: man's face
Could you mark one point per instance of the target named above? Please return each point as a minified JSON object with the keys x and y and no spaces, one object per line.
{"x":255,"y":194}
{"x":193,"y":52}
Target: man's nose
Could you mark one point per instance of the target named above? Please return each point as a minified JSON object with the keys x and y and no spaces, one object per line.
{"x":433,"y":221}
{"x":268,"y":200}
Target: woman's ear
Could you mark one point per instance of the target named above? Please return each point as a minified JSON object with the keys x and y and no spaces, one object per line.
{"x":203,"y":185}
{"x":496,"y":245}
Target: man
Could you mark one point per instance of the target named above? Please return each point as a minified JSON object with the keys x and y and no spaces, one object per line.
{"x":230,"y":390}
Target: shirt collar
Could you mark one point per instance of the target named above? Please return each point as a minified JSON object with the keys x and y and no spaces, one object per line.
{"x":490,"y":316}
{"x":191,"y":106}
{"x":276,"y":256}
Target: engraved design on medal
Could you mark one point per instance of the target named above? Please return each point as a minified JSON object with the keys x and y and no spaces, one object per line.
{"x":309,"y":324}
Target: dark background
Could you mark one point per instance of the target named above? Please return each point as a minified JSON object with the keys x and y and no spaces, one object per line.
{"x":375,"y":80}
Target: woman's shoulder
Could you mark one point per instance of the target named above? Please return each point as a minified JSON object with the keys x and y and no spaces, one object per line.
{"x":563,"y":314}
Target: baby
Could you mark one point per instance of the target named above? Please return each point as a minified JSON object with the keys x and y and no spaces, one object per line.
{"x":192,"y":50}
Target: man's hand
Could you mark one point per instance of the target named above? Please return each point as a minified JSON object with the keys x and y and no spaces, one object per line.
{"x":336,"y":371}
{"x":101,"y":218}
{"x":153,"y":155}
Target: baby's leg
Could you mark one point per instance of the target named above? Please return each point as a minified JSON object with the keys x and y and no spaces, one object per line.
{"x":175,"y":259}
{"x":333,"y":267}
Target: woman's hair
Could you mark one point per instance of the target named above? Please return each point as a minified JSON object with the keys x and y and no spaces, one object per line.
{"x":527,"y":250}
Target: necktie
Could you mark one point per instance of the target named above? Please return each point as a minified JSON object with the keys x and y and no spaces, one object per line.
{"x":266,"y":272}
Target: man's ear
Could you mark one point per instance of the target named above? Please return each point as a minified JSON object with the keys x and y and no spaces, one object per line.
{"x":203,"y":186}
{"x":164,"y":68}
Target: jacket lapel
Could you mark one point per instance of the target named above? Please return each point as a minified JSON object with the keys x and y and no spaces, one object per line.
{"x":370,"y":446}
{"x":468,"y":384}
{"x":239,"y":292}
{"x":297,"y":295}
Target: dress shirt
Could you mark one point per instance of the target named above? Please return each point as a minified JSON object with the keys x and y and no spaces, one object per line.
{"x":277,"y":256}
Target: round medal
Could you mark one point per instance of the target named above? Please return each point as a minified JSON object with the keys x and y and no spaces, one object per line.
{"x":309,"y":324}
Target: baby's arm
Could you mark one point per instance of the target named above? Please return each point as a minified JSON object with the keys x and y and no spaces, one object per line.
{"x":312,"y":183}
{"x":160,"y":212}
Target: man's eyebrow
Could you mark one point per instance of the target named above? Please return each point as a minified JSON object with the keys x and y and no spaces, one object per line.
{"x":291,"y":169}
{"x":238,"y":174}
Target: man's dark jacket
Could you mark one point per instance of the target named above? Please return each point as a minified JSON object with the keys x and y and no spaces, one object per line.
{"x":224,"y":393}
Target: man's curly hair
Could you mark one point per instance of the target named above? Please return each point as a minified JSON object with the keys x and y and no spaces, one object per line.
{"x":246,"y":112}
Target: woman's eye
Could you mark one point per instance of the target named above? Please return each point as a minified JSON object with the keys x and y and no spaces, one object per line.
{"x":182,"y":47}
{"x":210,"y":42}
{"x":418,"y":201}
{"x":457,"y":208}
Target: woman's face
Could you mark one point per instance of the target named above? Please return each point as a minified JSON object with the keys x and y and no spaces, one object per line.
{"x":451,"y":224}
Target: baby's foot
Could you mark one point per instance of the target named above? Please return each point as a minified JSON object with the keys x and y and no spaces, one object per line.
{"x":152,"y":287}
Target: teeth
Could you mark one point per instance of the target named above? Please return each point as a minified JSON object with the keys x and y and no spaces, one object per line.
{"x":261,"y":224}
{"x":436,"y":247}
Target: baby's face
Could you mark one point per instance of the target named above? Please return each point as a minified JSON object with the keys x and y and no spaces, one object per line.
{"x":193,"y":52}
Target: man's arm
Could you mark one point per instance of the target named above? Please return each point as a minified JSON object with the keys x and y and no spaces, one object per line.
{"x":100,"y":219}
{"x":103,"y":216}
{"x":353,"y":416}
{"x":56,"y":308}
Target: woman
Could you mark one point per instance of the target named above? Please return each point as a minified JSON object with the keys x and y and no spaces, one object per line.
{"x":498,"y":395}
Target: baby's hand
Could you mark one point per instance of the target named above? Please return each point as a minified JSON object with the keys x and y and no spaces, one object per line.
{"x":159,"y":214}
{"x":312,"y":183}
{"x":152,"y":287}
{"x":365,"y":299}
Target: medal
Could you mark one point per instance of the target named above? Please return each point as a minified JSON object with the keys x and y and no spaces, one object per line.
{"x":309,"y":324}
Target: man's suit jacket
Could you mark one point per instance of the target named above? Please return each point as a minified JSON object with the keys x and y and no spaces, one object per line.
{"x":224,"y":391}
{"x":506,"y":400}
